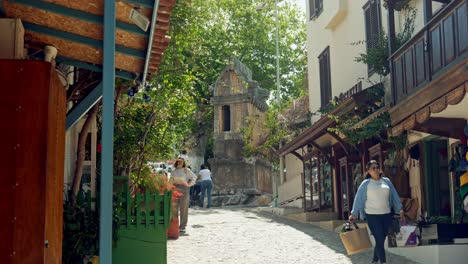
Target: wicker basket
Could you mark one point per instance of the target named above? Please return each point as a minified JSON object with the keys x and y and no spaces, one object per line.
{"x":356,"y":240}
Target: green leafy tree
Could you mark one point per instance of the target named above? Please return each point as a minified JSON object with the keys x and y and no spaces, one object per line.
{"x":148,"y":126}
{"x":204,"y":34}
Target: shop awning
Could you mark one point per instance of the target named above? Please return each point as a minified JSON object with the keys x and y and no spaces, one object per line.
{"x":318,"y":135}
{"x":417,"y":111}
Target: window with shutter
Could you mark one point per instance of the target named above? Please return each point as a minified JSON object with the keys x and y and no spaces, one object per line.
{"x":315,"y":8}
{"x":325,"y":77}
{"x":373,"y":24}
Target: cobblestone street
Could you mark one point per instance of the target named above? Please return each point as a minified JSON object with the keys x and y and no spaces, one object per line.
{"x":251,"y":236}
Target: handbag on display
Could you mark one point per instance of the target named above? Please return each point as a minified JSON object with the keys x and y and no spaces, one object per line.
{"x":407,"y":236}
{"x":410,"y":208}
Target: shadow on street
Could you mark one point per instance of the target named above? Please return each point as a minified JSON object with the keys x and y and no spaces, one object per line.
{"x":329,"y":239}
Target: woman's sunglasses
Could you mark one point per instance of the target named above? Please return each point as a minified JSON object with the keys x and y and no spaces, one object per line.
{"x":375,"y":168}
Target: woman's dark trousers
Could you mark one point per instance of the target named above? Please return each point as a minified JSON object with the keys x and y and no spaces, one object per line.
{"x":206,"y":186}
{"x":379,"y":225}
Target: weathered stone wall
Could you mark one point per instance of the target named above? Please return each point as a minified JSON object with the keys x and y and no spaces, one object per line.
{"x":230,"y":84}
{"x":230,"y":176}
{"x":246,"y":175}
{"x":259,"y":120}
{"x":228,"y":149}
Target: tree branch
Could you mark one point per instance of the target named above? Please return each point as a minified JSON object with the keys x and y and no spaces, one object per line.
{"x":81,"y":152}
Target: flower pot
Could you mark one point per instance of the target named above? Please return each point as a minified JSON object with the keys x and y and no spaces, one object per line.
{"x":398,"y":5}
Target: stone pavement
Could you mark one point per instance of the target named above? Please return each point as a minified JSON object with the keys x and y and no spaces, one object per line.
{"x":250,"y":236}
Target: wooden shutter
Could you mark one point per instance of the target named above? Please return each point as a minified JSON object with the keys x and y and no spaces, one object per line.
{"x":373,"y":23}
{"x":319,"y":6}
{"x":315,"y":7}
{"x":325,"y":77}
{"x":311,"y":9}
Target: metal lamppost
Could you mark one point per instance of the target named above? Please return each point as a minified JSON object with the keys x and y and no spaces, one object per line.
{"x":260,"y":7}
{"x":277,"y":56}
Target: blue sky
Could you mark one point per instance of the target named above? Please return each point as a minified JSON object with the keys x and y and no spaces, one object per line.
{"x":301,"y":4}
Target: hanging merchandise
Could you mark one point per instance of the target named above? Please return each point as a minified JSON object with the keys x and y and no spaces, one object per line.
{"x":465,"y":204}
{"x":407,"y":236}
{"x":461,"y":156}
{"x":453,"y":164}
{"x":132,"y":91}
{"x":464,"y":185}
{"x":462,"y":165}
{"x":146,"y":97}
{"x":414,"y":152}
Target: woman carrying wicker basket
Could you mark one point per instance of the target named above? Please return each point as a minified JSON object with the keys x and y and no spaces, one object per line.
{"x":375,"y":198}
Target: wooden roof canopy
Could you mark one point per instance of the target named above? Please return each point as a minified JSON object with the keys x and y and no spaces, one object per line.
{"x":75,"y":27}
{"x":318,"y":135}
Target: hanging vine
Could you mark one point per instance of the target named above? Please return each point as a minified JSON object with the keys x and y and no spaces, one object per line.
{"x":350,"y":125}
{"x":377,"y":58}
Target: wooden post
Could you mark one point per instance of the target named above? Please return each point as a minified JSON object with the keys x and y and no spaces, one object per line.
{"x":281,"y":170}
{"x":107,"y":173}
{"x":303,"y":183}
{"x":391,"y":31}
{"x":319,"y":178}
{"x":427,"y":10}
{"x":427,"y":6}
{"x":391,"y":50}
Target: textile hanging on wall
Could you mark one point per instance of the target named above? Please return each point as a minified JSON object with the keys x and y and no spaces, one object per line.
{"x":414,"y":152}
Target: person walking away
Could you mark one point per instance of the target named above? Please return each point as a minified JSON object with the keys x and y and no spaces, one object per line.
{"x":374,"y":199}
{"x":183,"y":155}
{"x":183,"y":178}
{"x":206,"y":185}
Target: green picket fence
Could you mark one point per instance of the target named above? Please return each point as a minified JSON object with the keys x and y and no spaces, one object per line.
{"x":143,"y":220}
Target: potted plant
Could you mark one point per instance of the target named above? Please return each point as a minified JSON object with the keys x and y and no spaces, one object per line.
{"x":396,"y":4}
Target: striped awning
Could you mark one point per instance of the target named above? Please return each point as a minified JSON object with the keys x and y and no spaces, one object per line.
{"x":422,"y":115}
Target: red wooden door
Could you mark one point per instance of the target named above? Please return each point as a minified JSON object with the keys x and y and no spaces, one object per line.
{"x":32,"y":134}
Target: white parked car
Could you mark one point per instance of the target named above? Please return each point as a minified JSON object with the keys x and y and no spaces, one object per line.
{"x":170,"y":168}
{"x":157,"y":166}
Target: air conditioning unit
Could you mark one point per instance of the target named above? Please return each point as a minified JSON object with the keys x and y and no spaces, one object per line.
{"x":12,"y":40}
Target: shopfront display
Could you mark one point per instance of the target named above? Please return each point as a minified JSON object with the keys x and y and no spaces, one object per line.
{"x":318,"y":184}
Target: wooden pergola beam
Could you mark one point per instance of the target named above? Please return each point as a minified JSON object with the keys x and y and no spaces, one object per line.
{"x":321,"y":150}
{"x":340,"y":141}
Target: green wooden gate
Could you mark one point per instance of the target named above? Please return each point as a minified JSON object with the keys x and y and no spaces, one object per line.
{"x":143,"y":221}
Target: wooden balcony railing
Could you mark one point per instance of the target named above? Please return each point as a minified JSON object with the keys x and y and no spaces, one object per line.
{"x":353,"y":90}
{"x":441,"y":44}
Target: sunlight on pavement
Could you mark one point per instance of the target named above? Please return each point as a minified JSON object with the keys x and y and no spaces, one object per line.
{"x":250,"y":236}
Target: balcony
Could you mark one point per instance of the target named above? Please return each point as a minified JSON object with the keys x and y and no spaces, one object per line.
{"x":438,"y":51}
